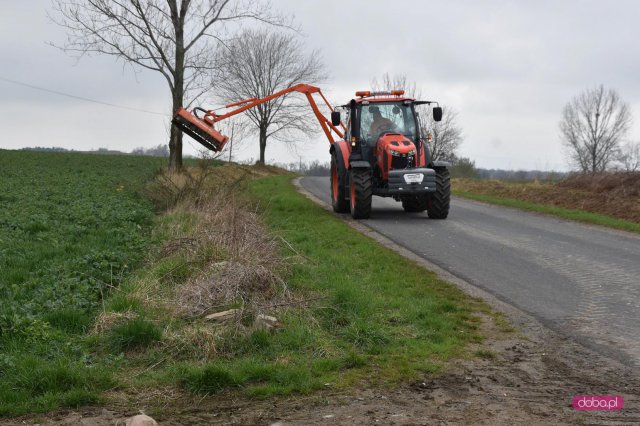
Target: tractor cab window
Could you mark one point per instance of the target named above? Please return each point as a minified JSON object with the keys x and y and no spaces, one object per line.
{"x":379,"y":118}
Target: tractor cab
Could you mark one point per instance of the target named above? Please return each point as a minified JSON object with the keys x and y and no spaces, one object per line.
{"x":389,"y":133}
{"x":384,"y":153}
{"x":387,"y":117}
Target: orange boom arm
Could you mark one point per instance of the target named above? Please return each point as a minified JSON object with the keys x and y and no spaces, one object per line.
{"x":202,"y":129}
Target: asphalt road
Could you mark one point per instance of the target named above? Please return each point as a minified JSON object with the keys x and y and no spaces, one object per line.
{"x":579,"y":280}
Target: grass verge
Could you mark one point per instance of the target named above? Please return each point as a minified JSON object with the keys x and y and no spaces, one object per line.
{"x":348,"y":309}
{"x":379,"y":311}
{"x":572,"y":214}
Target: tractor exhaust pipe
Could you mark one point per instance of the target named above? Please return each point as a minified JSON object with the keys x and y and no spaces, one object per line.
{"x":200,"y":129}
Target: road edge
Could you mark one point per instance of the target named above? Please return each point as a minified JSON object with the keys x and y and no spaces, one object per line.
{"x":526,"y":324}
{"x":515,"y":314}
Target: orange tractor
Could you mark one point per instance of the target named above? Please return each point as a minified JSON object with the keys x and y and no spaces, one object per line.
{"x":380,"y":151}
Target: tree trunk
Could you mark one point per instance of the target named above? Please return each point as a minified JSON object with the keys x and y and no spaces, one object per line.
{"x":177,"y":92}
{"x":175,"y":141}
{"x":263,"y":143}
{"x":175,"y":145}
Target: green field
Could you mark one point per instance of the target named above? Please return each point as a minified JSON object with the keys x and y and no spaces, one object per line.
{"x":72,"y":226}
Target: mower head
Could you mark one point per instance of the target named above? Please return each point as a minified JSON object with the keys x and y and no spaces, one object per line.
{"x":200,"y":129}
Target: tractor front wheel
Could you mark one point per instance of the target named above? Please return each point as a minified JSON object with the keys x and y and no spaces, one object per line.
{"x":339,"y":200}
{"x":438,"y":207}
{"x":361,"y":192}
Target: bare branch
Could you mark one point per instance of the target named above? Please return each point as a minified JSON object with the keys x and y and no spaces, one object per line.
{"x":175,"y":38}
{"x":629,"y":158}
{"x":258,"y":63}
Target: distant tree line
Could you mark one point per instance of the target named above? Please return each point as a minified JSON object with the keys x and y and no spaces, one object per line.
{"x":45,"y":149}
{"x":519,"y":175}
{"x":460,"y":167}
{"x":155,"y":151}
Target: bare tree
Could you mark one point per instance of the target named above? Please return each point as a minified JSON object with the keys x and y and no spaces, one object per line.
{"x":629,"y":157}
{"x":396,"y":82}
{"x":446,"y":135}
{"x":258,"y":63}
{"x":593,"y":125}
{"x":172,"y":37}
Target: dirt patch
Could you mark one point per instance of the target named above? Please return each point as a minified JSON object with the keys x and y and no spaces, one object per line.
{"x":517,"y":379}
{"x":612,"y":194}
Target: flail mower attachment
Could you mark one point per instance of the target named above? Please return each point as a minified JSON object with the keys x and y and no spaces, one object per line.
{"x":200,"y":129}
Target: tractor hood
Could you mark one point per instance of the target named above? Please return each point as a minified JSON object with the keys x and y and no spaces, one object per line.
{"x":395,"y":144}
{"x":394,"y":151}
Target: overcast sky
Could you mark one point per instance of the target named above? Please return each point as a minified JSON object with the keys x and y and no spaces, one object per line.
{"x":507,"y":67}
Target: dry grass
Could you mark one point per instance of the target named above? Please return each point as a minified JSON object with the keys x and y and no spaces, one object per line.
{"x":108,"y":320}
{"x":251,"y":271}
{"x":612,"y":194}
{"x":216,"y":254}
{"x":225,"y":256}
{"x":618,"y":184}
{"x":195,"y":341}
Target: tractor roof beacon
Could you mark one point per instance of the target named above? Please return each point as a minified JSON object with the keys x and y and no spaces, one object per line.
{"x":379,"y":151}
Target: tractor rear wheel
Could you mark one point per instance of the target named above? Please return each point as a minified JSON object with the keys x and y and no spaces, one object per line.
{"x":415,"y":203}
{"x":438,"y":207}
{"x":361,"y":192}
{"x":339,"y":200}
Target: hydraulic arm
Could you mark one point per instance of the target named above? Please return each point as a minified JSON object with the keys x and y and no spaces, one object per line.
{"x":199,"y":123}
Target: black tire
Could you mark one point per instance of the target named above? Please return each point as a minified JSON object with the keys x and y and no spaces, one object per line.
{"x":438,"y":207}
{"x":415,"y":203}
{"x":338,"y":178}
{"x":361,"y":191}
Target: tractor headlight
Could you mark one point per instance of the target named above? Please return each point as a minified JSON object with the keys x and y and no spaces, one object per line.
{"x":412,"y":152}
{"x":395,"y":153}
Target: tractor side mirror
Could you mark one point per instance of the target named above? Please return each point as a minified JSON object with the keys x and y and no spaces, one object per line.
{"x":335,"y":118}
{"x":437,"y":113}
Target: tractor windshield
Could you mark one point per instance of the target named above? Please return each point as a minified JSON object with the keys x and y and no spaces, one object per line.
{"x":379,"y":118}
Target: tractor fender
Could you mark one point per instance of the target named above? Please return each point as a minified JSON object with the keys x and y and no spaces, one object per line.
{"x":441,"y":164}
{"x":342,"y":153}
